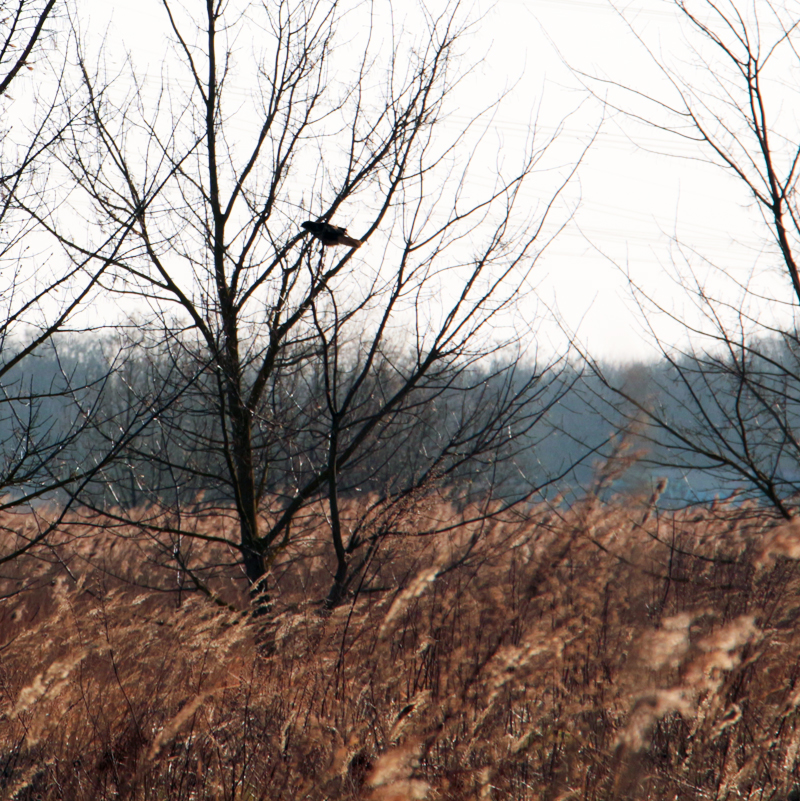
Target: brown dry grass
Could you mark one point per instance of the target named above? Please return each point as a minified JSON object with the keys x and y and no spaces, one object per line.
{"x":609,"y":652}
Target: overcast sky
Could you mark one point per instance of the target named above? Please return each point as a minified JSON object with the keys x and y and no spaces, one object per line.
{"x":629,"y":199}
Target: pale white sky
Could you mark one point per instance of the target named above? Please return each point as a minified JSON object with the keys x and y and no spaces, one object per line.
{"x":628,"y":202}
{"x":632,"y":202}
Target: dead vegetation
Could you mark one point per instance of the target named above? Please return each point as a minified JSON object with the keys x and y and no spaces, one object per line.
{"x":606,"y":652}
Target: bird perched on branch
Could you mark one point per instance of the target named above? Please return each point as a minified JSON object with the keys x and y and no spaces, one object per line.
{"x":331,"y":235}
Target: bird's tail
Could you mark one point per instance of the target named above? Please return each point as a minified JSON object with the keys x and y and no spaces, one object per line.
{"x":344,"y":239}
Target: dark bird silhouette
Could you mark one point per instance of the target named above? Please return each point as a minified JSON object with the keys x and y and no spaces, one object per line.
{"x":331,"y":235}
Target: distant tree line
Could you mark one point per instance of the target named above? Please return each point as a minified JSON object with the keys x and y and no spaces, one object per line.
{"x":643,"y":415}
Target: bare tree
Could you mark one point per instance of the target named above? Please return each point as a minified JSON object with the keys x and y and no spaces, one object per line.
{"x":31,"y":449}
{"x":324,"y":371}
{"x":726,"y":404}
{"x":49,"y":389}
{"x":24,"y":27}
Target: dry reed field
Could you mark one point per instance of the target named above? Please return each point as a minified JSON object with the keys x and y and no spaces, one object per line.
{"x":606,"y":652}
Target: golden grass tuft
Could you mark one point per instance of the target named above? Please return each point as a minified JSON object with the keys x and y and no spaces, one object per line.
{"x":607,"y":651}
